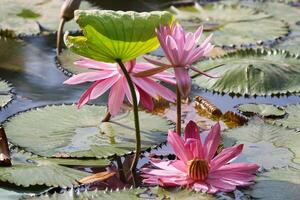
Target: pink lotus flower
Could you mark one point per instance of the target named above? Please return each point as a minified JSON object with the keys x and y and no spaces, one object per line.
{"x":198,"y":165}
{"x":108,"y":75}
{"x":181,"y":50}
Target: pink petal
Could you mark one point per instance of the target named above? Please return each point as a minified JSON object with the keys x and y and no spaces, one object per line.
{"x":195,"y":147}
{"x":200,"y":187}
{"x":103,"y":86}
{"x":169,"y":165}
{"x":89,"y":77}
{"x":116,"y":98}
{"x":174,"y":54}
{"x":201,"y":72}
{"x":86,"y":95}
{"x":212,"y":142}
{"x":198,"y":33}
{"x":178,"y":146}
{"x":180,"y":165}
{"x":191,"y":131}
{"x":221,"y":185}
{"x":128,"y":93}
{"x":146,"y":100}
{"x":183,"y":80}
{"x":239,"y":167}
{"x":93,"y":64}
{"x":225,"y":156}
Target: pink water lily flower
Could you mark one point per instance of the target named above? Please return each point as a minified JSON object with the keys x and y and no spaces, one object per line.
{"x":110,"y":76}
{"x":182,"y":50}
{"x":198,"y":166}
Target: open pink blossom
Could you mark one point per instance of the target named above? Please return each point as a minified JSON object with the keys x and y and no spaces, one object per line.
{"x":182,"y":50}
{"x":110,"y":76}
{"x":198,"y":166}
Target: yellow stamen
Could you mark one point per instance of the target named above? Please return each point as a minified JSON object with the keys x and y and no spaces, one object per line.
{"x":198,"y":169}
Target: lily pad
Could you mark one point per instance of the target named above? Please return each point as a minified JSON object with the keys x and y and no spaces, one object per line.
{"x":252,"y":72}
{"x":65,"y":131}
{"x":292,"y":120}
{"x":258,"y":131}
{"x":127,"y":194}
{"x":264,"y":110}
{"x":291,"y":44}
{"x":107,"y":38}
{"x":277,"y":185}
{"x":27,"y":172}
{"x":6,"y":194}
{"x":231,"y":24}
{"x":5,"y":94}
{"x":21,"y":17}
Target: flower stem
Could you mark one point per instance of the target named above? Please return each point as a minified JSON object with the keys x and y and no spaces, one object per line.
{"x":59,"y":36}
{"x":178,"y":105}
{"x":107,"y":117}
{"x":136,"y":117}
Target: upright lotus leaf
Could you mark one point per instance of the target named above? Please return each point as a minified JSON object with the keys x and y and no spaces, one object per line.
{"x":292,"y":118}
{"x":231,"y":24}
{"x":252,"y":72}
{"x":291,"y":44}
{"x":264,"y":110}
{"x":65,"y":131}
{"x":127,"y":194}
{"x":23,"y":17}
{"x":5,"y":93}
{"x":111,"y":35}
{"x":258,"y":133}
{"x":277,"y":185}
{"x":28,"y":172}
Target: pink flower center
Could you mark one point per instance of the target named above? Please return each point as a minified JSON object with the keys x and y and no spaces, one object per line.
{"x":198,"y":169}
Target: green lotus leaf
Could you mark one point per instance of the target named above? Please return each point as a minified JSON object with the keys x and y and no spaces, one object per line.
{"x":5,"y":94}
{"x":291,"y":44}
{"x":230,"y":24}
{"x":65,"y":62}
{"x":277,"y":185}
{"x":65,"y":131}
{"x":257,"y":132}
{"x":279,"y":11}
{"x":292,"y":119}
{"x":265,"y":110}
{"x":111,"y":35}
{"x":21,"y":17}
{"x":28,"y":172}
{"x":252,"y":72}
{"x":128,"y":194}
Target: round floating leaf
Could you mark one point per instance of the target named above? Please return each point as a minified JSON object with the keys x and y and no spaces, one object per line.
{"x":22,"y":17}
{"x":7,"y":194}
{"x":128,"y":194}
{"x":252,"y":72}
{"x":231,"y":24}
{"x":265,"y":110}
{"x":266,"y":155}
{"x":5,"y":94}
{"x":292,"y":119}
{"x":277,"y":185}
{"x":65,"y":131}
{"x":291,"y":44}
{"x":256,"y":132}
{"x":27,"y":172}
{"x":107,"y":38}
{"x":279,"y":10}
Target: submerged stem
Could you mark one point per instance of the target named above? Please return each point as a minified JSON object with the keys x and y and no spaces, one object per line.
{"x":178,"y":106}
{"x":59,"y":36}
{"x":136,"y":117}
{"x":107,"y":117}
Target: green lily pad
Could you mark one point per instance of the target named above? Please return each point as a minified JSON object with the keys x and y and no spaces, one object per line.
{"x":252,"y":72}
{"x":258,"y":131}
{"x":279,"y":10}
{"x":291,"y":44}
{"x":277,"y":185}
{"x":7,"y":194}
{"x":231,"y":24}
{"x":292,"y":119}
{"x":65,"y":62}
{"x":65,"y":131}
{"x":21,"y":17}
{"x":107,"y":38}
{"x":27,"y":172}
{"x":265,"y":110}
{"x":5,"y":94}
{"x":128,"y":194}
